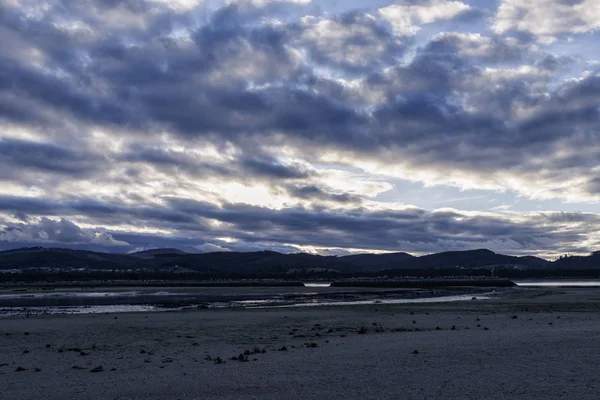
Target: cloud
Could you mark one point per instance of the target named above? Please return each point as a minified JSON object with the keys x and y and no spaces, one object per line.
{"x":547,"y":19}
{"x":316,"y":193}
{"x":62,"y":231}
{"x":479,"y":47}
{"x":209,"y":248}
{"x":286,"y":124}
{"x":353,"y":42}
{"x":291,"y":228}
{"x":272,"y":168}
{"x":16,"y":155}
{"x":406,"y":19}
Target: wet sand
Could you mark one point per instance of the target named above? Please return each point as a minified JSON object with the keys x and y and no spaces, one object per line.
{"x":532,"y":343}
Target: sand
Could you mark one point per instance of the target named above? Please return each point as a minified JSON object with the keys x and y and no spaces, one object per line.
{"x":528,"y":344}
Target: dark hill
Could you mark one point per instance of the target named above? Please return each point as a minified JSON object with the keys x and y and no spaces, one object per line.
{"x":375,"y":262}
{"x":578,"y":262}
{"x":474,"y":259}
{"x":269,"y":262}
{"x":146,"y":254}
{"x":40,"y":257}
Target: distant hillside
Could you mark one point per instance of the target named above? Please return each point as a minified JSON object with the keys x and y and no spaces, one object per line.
{"x":475,"y":259}
{"x":269,"y":262}
{"x":577,"y":262}
{"x":148,"y":254}
{"x":378,"y":261}
{"x":40,"y":257}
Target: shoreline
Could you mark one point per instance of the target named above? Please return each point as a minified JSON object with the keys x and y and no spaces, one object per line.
{"x":530,"y":343}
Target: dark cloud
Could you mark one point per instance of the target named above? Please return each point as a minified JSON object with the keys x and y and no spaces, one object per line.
{"x":353,"y":228}
{"x":313,"y":192}
{"x":407,"y":230}
{"x":244,"y":167}
{"x":271,"y":168}
{"x":47,"y":158}
{"x":51,"y":231}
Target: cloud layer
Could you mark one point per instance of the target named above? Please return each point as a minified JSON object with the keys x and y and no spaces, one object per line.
{"x":298,"y":125}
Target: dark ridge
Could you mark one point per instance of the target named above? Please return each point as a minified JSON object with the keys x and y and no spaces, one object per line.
{"x":159,"y":264}
{"x":157,"y":253}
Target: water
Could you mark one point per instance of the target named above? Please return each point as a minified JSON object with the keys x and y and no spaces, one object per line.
{"x":317,"y":284}
{"x":559,"y":283}
{"x":441,"y":299}
{"x":113,"y":300}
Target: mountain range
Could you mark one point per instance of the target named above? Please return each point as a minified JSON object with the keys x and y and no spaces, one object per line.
{"x":269,"y":262}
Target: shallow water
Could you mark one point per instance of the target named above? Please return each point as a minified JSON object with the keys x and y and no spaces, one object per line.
{"x":441,"y":299}
{"x":317,"y":284}
{"x":559,"y":283}
{"x":79,"y":301}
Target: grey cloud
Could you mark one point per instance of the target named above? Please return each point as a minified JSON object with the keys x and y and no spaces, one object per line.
{"x":353,"y":42}
{"x":312,"y":192}
{"x":233,"y":79}
{"x":554,"y":63}
{"x":106,"y":212}
{"x":593,"y":186}
{"x":353,"y":228}
{"x":51,"y":231}
{"x":46,"y":157}
{"x":244,"y":167}
{"x":50,"y":92}
{"x":272,"y":168}
{"x":492,"y":49}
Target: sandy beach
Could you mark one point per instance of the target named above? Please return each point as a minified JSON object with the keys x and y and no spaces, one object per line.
{"x":532,"y":343}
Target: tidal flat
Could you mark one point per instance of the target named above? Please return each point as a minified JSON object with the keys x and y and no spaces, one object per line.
{"x":528,"y":343}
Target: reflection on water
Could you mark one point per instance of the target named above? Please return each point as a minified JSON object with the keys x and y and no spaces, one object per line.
{"x":442,"y":299}
{"x":560,"y":283}
{"x":114,"y":300}
{"x":317,"y":284}
{"x":21,"y":295}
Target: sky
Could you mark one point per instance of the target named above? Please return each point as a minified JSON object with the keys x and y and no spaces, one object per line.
{"x":321,"y":126}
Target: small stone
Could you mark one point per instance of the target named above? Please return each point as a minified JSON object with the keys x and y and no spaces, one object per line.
{"x":99,"y":368}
